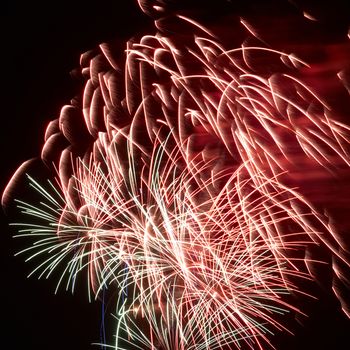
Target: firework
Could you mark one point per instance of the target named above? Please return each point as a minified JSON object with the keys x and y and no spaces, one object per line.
{"x":203,"y":272}
{"x":181,"y":188}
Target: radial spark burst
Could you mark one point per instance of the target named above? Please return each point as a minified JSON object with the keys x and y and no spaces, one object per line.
{"x":205,"y":263}
{"x":186,"y":187}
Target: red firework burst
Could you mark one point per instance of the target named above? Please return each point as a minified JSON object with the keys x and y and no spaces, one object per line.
{"x":187,"y":182}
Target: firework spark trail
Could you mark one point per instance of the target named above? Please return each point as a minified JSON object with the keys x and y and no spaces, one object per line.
{"x":220,"y":258}
{"x":184,"y":193}
{"x":210,"y":265}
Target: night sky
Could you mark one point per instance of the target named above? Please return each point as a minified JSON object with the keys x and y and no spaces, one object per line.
{"x":41,"y":44}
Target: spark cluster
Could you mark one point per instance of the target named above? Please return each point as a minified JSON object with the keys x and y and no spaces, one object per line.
{"x":187,"y":197}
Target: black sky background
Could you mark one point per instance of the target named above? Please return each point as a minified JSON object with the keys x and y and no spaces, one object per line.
{"x":41,"y":43}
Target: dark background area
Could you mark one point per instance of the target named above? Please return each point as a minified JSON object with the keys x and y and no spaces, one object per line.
{"x":41,"y":44}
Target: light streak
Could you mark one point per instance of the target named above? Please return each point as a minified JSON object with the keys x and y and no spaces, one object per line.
{"x":204,"y":274}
